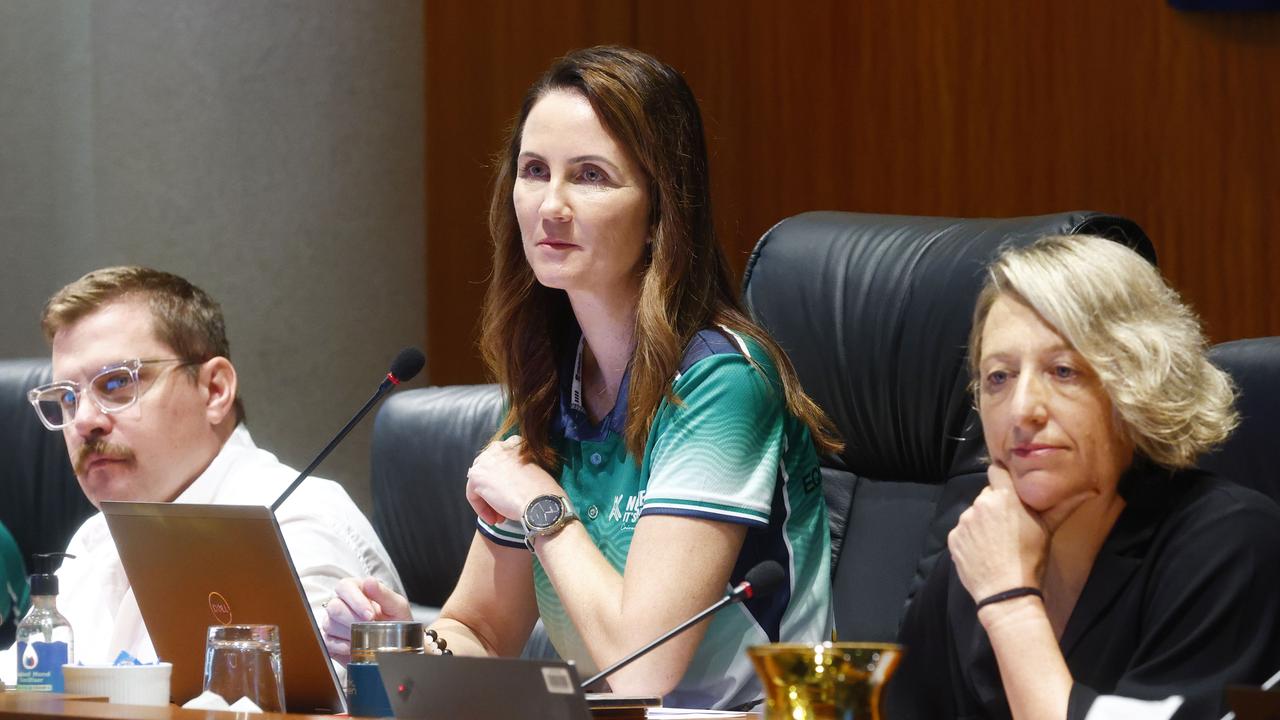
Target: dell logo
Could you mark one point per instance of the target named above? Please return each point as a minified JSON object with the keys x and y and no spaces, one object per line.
{"x":220,"y":608}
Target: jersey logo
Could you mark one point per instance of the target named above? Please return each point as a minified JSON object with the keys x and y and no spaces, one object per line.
{"x":813,"y":480}
{"x":635,"y":503}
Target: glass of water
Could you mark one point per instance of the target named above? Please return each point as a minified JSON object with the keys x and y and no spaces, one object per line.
{"x":244,"y":661}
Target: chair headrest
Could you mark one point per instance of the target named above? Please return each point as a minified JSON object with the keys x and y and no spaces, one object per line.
{"x":1249,"y":455}
{"x":875,"y":311}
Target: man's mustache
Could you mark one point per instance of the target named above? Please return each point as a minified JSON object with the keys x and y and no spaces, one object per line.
{"x":100,"y":448}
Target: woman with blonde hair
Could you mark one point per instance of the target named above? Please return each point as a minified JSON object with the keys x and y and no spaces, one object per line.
{"x":656,"y":444}
{"x":1098,"y":560}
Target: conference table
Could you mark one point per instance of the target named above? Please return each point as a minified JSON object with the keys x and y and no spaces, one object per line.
{"x":37,"y":705}
{"x":27,"y":705}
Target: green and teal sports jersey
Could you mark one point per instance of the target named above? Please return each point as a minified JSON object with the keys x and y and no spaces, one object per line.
{"x":728,"y":451}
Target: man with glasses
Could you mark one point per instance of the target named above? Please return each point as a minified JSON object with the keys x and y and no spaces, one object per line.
{"x":145,"y":394}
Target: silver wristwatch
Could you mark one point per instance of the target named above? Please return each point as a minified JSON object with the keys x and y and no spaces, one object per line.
{"x":545,"y":515}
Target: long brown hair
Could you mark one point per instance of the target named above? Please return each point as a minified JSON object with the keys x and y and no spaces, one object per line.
{"x":686,"y":285}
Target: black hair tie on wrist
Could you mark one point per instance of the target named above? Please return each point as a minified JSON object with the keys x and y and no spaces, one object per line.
{"x":1008,"y":595}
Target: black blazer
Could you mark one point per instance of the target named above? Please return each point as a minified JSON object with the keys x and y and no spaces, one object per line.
{"x":1183,"y":599}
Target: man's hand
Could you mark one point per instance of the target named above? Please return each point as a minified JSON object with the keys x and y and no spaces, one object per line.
{"x":354,"y":601}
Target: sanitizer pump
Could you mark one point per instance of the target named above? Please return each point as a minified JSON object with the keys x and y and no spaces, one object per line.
{"x":44,"y":637}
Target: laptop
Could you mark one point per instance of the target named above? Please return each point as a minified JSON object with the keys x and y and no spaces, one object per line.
{"x":192,"y":566}
{"x":444,"y":687}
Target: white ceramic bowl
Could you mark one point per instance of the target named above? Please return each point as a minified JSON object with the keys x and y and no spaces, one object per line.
{"x":124,"y":684}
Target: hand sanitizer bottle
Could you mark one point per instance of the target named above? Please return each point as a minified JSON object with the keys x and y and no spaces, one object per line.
{"x":45,"y":642}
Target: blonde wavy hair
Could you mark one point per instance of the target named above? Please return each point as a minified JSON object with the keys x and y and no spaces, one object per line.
{"x":1143,"y":342}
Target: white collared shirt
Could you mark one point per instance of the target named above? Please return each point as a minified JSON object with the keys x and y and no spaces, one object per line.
{"x":327,"y":536}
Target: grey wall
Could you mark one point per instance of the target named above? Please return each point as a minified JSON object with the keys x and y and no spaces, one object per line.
{"x":271,"y":152}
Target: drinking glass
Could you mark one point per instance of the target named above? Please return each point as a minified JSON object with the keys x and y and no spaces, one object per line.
{"x":244,"y":661}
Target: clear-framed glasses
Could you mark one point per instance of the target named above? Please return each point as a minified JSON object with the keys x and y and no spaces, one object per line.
{"x":114,"y":389}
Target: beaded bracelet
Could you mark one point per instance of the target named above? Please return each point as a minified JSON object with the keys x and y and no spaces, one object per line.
{"x":1008,"y":595}
{"x":438,"y":646}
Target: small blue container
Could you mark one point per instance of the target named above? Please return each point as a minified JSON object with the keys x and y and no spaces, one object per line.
{"x":365,"y":695}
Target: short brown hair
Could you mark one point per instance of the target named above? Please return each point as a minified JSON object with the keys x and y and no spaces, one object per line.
{"x":185,"y":317}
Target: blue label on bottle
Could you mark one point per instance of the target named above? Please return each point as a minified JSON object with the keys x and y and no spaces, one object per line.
{"x":40,"y":666}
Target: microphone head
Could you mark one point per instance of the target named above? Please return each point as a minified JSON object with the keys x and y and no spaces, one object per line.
{"x":407,"y":364}
{"x":764,"y":578}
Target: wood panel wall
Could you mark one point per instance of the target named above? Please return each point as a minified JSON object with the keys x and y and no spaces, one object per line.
{"x":930,"y":107}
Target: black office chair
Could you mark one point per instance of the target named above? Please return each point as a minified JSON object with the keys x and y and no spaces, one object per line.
{"x":40,"y":500}
{"x":423,"y":443}
{"x":1249,"y":456}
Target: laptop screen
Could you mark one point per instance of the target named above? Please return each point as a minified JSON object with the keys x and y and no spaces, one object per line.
{"x":192,"y":566}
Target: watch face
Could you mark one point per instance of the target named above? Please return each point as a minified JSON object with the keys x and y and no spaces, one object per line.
{"x":543,"y":512}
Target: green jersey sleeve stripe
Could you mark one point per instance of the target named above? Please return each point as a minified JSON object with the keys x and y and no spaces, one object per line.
{"x":500,"y":535}
{"x":660,"y":507}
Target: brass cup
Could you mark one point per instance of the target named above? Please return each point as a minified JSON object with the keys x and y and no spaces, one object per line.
{"x":825,"y":681}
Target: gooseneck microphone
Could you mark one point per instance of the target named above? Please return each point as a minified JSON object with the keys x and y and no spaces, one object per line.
{"x":760,"y":580}
{"x":406,"y":365}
